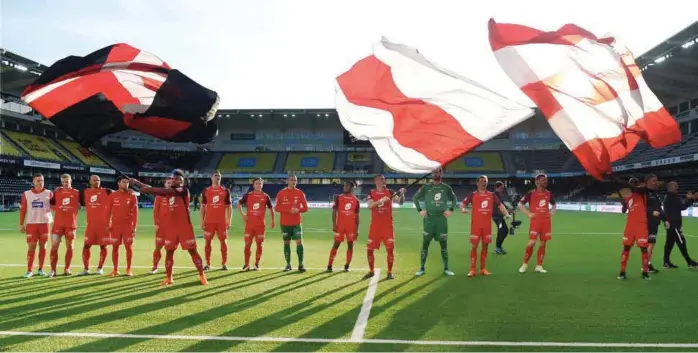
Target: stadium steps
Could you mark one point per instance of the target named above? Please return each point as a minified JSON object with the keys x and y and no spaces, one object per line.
{"x":7,"y":140}
{"x":65,"y":152}
{"x":280,"y":162}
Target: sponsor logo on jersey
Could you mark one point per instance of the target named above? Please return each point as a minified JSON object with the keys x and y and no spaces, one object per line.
{"x":93,"y":198}
{"x":541,"y":203}
{"x":171,"y":200}
{"x":37,"y":204}
{"x":437,"y":196}
{"x":484,"y":204}
{"x":347,"y":206}
{"x":65,"y":201}
{"x":255,"y":206}
{"x":215,"y":199}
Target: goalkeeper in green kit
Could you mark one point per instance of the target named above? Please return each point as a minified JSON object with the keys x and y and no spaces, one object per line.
{"x":439,"y":202}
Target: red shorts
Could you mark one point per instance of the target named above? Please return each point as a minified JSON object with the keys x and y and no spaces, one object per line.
{"x":540,"y":229}
{"x":636,"y":235}
{"x":348,"y":233}
{"x":211,"y":229}
{"x":480,"y":234}
{"x":122,"y":235}
{"x":255,"y":230}
{"x":181,"y":236}
{"x":37,"y":233}
{"x":378,"y":235}
{"x":95,"y":235}
{"x":68,"y":232}
{"x":160,"y":237}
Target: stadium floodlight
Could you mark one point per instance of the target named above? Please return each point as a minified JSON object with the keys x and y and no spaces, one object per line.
{"x":293,"y":115}
{"x":227,"y":115}
{"x":259,"y":116}
{"x":318,"y":115}
{"x":660,"y":59}
{"x":21,"y":68}
{"x":285,"y":115}
{"x":251,"y":115}
{"x":327,"y":114}
{"x":689,"y":43}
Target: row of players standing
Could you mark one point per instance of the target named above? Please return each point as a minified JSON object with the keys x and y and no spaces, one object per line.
{"x":112,"y":220}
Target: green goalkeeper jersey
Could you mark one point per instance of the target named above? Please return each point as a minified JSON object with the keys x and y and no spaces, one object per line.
{"x":437,"y":199}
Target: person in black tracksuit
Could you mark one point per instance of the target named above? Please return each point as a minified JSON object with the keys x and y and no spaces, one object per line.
{"x":673,"y":205}
{"x":498,"y":218}
{"x":655,"y":215}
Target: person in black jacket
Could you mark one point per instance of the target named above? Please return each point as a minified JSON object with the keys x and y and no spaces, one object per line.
{"x":673,"y":205}
{"x":498,"y":218}
{"x":655,"y":214}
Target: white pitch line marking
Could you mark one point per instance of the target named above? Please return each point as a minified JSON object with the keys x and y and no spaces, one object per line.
{"x":193,"y":268}
{"x":362,"y":321}
{"x":350,"y":341}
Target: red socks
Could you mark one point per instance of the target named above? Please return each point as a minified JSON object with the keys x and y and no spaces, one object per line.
{"x":207,"y":251}
{"x":645,"y":261}
{"x":42,"y":255}
{"x":483,"y":257}
{"x":115,"y":257}
{"x":333,"y":253}
{"x":68,"y":256}
{"x":541,"y":254}
{"x":248,"y":252}
{"x":224,"y":252}
{"x":86,"y":253}
{"x":371,"y":259}
{"x":391,"y":258}
{"x":198,"y":262}
{"x":624,"y":260}
{"x":473,"y":257}
{"x":30,"y":259}
{"x":129,"y":255}
{"x":169,"y":263}
{"x":528,"y":254}
{"x":102,"y":255}
{"x":350,"y":254}
{"x":54,"y":259}
{"x":157,"y":255}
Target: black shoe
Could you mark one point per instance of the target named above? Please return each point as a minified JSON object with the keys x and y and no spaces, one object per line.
{"x":207,"y":267}
{"x":693,"y":265}
{"x":329,"y":268}
{"x":670,"y":265}
{"x":256,"y":267}
{"x":224,"y":268}
{"x":622,"y":276}
{"x":346,"y":268}
{"x":301,"y":268}
{"x":369,"y":275}
{"x":245,"y":268}
{"x":390,"y":276}
{"x":646,"y":276}
{"x":287,"y":268}
{"x":652,"y":269}
{"x":500,"y":251}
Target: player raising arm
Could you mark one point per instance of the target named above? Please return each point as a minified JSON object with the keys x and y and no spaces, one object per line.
{"x":345,"y":223}
{"x":216,"y":214}
{"x":484,"y":203}
{"x":291,"y":202}
{"x":95,"y":200}
{"x":382,"y":229}
{"x":257,"y":203}
{"x":180,"y":230}
{"x":439,"y":201}
{"x":539,"y":201}
{"x":161,"y":214}
{"x":66,"y":203}
{"x":123,"y":208}
{"x":34,"y":220}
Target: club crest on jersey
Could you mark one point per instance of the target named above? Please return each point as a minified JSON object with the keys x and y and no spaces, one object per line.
{"x":347,"y":206}
{"x":541,"y":203}
{"x":215,"y":199}
{"x":437,"y":196}
{"x":93,"y":198}
{"x":255,"y":206}
{"x":65,"y":201}
{"x":484,"y":204}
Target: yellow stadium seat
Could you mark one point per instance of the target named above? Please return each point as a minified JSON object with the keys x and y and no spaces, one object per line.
{"x":477,"y":162}
{"x":83,"y":154}
{"x":311,"y":161}
{"x":247,"y":162}
{"x":7,"y":149}
{"x":37,"y":147}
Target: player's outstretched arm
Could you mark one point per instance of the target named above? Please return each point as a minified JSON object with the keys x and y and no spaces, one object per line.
{"x":400,"y":197}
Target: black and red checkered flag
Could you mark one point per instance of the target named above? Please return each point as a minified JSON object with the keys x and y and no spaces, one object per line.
{"x":121,"y":87}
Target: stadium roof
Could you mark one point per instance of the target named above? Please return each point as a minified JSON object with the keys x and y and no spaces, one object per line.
{"x":670,"y":69}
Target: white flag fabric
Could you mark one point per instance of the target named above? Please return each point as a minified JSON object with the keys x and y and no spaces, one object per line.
{"x":417,"y":115}
{"x":589,"y":89}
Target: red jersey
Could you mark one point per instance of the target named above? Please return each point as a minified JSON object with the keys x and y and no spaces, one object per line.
{"x":637,"y":209}
{"x":347,"y":207}
{"x":381,"y":214}
{"x":257,"y":204}
{"x":66,"y":203}
{"x":287,"y":199}
{"x":95,"y":203}
{"x":161,"y":211}
{"x":178,"y":204}
{"x":539,"y":202}
{"x":123,"y":208}
{"x":216,"y":200}
{"x":483,"y":207}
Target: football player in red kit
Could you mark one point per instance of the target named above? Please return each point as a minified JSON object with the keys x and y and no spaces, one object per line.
{"x":257,"y":203}
{"x":66,"y":203}
{"x":123,"y":208}
{"x":180,"y":231}
{"x":539,"y":201}
{"x":345,"y":223}
{"x":382,"y":230}
{"x":161,"y":212}
{"x":95,"y":199}
{"x":635,"y":232}
{"x":483,"y":203}
{"x":216,"y":213}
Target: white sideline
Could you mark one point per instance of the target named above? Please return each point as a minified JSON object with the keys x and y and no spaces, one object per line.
{"x":360,"y":327}
{"x":350,"y":341}
{"x":213,"y":269}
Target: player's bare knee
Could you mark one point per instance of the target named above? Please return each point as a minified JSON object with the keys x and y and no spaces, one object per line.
{"x":299,"y":242}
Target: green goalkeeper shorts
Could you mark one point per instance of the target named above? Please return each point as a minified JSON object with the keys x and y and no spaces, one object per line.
{"x":291,"y":232}
{"x":435,"y":227}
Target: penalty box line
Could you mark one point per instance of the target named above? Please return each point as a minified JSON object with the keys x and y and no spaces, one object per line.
{"x":351,"y":341}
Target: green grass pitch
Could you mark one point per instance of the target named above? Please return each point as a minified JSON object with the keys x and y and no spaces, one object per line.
{"x":579,"y":300}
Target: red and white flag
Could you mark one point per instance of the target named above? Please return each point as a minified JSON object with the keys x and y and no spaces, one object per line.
{"x":417,"y":115}
{"x":589,"y":89}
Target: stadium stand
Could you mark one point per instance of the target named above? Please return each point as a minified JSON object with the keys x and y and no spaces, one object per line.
{"x":156,"y":160}
{"x":541,"y":160}
{"x":7,"y":148}
{"x":309,"y":162}
{"x":247,"y":162}
{"x":83,"y":154}
{"x":38,"y":147}
{"x":13,"y":186}
{"x":477,"y":162}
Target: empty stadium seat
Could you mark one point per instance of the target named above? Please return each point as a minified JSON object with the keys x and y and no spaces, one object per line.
{"x":7,"y":149}
{"x":477,"y":162}
{"x":301,"y":161}
{"x":247,"y":162}
{"x":38,"y":147}
{"x":83,"y":154}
